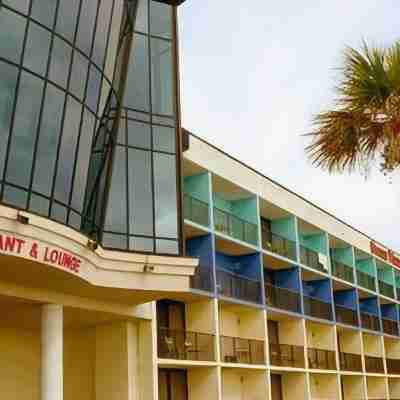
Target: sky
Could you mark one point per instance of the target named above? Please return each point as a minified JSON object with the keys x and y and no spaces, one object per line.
{"x":253,"y":74}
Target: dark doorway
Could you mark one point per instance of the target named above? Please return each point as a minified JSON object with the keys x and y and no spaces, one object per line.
{"x":172,"y":384}
{"x":276,"y":387}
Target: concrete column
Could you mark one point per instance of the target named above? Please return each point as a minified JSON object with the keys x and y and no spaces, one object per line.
{"x":52,"y":352}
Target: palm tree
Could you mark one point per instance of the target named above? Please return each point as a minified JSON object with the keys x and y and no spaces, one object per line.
{"x":364,"y":127}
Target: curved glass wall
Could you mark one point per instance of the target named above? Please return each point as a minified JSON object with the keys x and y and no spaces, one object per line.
{"x":68,"y":151}
{"x":57,"y":63}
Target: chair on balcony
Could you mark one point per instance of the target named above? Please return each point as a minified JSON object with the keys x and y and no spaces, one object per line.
{"x":172,"y":349}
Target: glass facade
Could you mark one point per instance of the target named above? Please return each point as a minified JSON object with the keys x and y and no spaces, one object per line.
{"x":88,"y":118}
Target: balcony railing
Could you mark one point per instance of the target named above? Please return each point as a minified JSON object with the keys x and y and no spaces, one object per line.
{"x":346,"y":315}
{"x":282,"y":298}
{"x":370,"y":321}
{"x":235,"y":227}
{"x":374,"y":365}
{"x":366,"y":281}
{"x":321,"y":359}
{"x":242,"y":351}
{"x":350,"y":362}
{"x":237,"y":286}
{"x":393,"y":366}
{"x":278,"y":244}
{"x":202,"y":279}
{"x":310,"y":258}
{"x":342,"y":271}
{"x":286,"y":355}
{"x":196,"y":210}
{"x":390,"y":327}
{"x":317,"y":308}
{"x":184,"y":345}
{"x":386,"y":289}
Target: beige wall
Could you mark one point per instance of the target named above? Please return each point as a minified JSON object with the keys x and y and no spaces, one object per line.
{"x":320,"y":336}
{"x":244,"y":385}
{"x":79,"y":364}
{"x":324,"y":386}
{"x":19,"y":364}
{"x":203,"y":382}
{"x":372,"y":345}
{"x":353,"y":387}
{"x":392,"y":348}
{"x":292,"y":332}
{"x":376,"y":387}
{"x":294,"y":386}
{"x":350,"y":341}
{"x":200,"y":316}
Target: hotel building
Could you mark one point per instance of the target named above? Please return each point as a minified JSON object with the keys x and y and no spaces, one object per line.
{"x":137,"y":261}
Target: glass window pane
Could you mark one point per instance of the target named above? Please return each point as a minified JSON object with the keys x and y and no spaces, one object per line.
{"x":82,"y":163}
{"x":67,"y":18}
{"x":19,"y":5}
{"x":39,"y":205}
{"x":87,"y":21}
{"x":48,"y":140}
{"x":19,"y":165}
{"x":12,"y":31}
{"x":15,"y":197}
{"x":114,"y":241}
{"x":165,"y":196}
{"x":44,"y":11}
{"x":139,"y":134}
{"x":67,"y":154}
{"x":162,"y":77}
{"x":164,"y":139}
{"x":37,"y":49}
{"x":93,"y":89}
{"x":141,"y":23}
{"x":8,"y":82}
{"x":79,"y":75}
{"x":137,"y":86}
{"x":160,"y":19}
{"x":167,"y":247}
{"x":59,"y":213}
{"x":140,"y":193}
{"x":116,"y":217}
{"x":100,"y":41}
{"x":60,"y":60}
{"x":141,"y":244}
{"x":75,"y":220}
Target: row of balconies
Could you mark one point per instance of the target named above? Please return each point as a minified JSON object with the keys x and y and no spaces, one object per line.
{"x":355,"y":267}
{"x":195,"y":346}
{"x":239,"y":287}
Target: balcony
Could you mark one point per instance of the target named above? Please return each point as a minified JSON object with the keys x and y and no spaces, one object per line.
{"x":235,"y":227}
{"x":374,"y":365}
{"x":310,"y":258}
{"x":282,"y":298}
{"x":286,"y":355}
{"x":321,"y":359}
{"x":346,"y":315}
{"x":184,"y":345}
{"x":342,"y":271}
{"x":242,"y":351}
{"x":237,"y":286}
{"x":350,"y":362}
{"x":202,"y":279}
{"x":390,"y":327}
{"x":196,"y":210}
{"x":317,"y":308}
{"x":370,"y":321}
{"x":365,"y":280}
{"x":393,"y":366}
{"x":278,"y":245}
{"x":385,"y":289}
